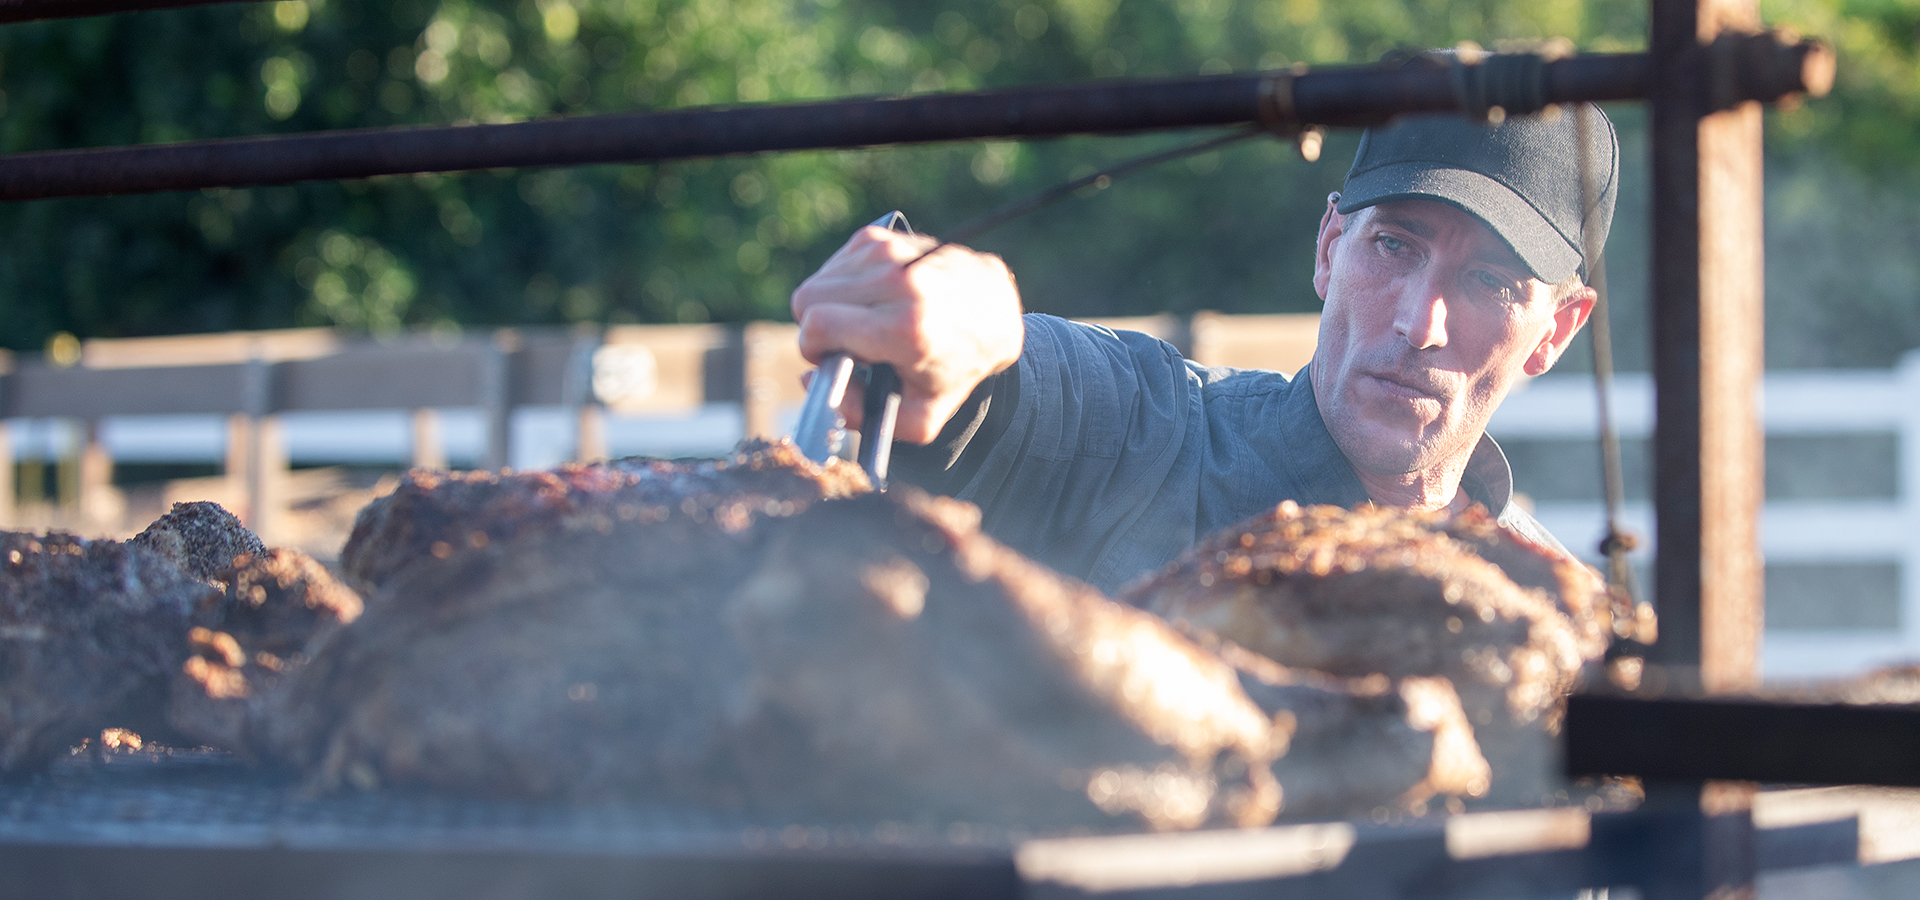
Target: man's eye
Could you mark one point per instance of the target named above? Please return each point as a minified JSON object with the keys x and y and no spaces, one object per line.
{"x":1392,"y":244}
{"x":1494,"y":283}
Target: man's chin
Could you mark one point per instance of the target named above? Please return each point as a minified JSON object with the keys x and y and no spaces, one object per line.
{"x":1387,"y":449}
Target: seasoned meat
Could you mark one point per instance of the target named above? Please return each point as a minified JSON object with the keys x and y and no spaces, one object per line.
{"x":903,"y":660}
{"x":1575,"y":589}
{"x":248,"y":642}
{"x":1382,"y":591}
{"x":870,"y":657}
{"x":200,"y":538}
{"x":1361,"y":745}
{"x":435,"y":514}
{"x":90,"y":632}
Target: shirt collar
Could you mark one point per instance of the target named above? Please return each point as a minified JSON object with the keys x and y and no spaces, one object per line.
{"x":1488,"y":478}
{"x":1321,"y":470}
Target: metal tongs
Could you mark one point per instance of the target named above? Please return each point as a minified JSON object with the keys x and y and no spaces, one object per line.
{"x":821,"y":431}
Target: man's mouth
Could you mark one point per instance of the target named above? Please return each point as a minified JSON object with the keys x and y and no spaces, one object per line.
{"x":1406,"y":388}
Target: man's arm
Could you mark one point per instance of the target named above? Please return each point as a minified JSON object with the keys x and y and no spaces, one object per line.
{"x":945,"y":323}
{"x":1072,"y":439}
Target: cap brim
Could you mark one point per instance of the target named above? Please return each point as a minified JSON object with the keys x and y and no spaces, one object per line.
{"x":1544,"y":250}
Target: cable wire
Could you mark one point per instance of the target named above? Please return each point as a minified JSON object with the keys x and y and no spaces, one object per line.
{"x":979,"y":225}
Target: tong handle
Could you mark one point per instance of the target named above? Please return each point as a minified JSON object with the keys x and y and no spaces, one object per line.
{"x":881,"y":410}
{"x":882,"y":407}
{"x":816,"y":432}
{"x":820,"y":430}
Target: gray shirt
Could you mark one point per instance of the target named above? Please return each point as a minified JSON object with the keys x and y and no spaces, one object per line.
{"x":1104,"y":454}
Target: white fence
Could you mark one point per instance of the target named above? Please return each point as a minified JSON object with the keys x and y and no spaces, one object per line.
{"x":1819,"y":535}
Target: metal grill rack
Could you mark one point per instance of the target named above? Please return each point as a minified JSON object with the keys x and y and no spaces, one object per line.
{"x":193,"y":825}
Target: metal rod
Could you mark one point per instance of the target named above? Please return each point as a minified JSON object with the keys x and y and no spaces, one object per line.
{"x":35,"y":10}
{"x":1674,"y":123}
{"x":1279,"y":100}
{"x":1748,"y":740}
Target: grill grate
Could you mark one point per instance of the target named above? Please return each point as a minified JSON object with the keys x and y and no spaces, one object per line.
{"x":207,"y":799}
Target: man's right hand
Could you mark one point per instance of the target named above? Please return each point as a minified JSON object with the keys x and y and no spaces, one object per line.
{"x":945,"y":324}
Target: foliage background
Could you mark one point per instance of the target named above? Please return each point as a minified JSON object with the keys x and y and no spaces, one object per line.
{"x":727,"y":240}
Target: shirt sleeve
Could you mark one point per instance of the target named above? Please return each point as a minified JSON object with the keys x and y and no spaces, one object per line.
{"x":1084,"y":455}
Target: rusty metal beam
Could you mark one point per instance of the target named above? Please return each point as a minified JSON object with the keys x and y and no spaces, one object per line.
{"x":1708,"y":484}
{"x":35,"y":10}
{"x":1707,"y":309}
{"x":1335,"y":97}
{"x":1789,"y":742}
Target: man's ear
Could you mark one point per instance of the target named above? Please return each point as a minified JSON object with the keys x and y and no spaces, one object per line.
{"x":1567,"y":321}
{"x":1332,"y":224}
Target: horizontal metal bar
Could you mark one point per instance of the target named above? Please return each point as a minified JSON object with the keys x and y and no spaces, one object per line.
{"x":1334,"y":97}
{"x":1743,"y":740}
{"x":34,"y":10}
{"x":194,"y":872}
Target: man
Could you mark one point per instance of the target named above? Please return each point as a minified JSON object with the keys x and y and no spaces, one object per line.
{"x":1451,"y":263}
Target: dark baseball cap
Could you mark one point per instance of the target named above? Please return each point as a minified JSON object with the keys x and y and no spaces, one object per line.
{"x":1521,"y":177}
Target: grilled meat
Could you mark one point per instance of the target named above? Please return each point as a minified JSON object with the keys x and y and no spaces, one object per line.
{"x":200,"y":538}
{"x":436,"y":514}
{"x":873,"y":656}
{"x":90,"y":632}
{"x":1362,"y":744}
{"x":246,"y":645}
{"x":1381,"y":591}
{"x":743,"y":633}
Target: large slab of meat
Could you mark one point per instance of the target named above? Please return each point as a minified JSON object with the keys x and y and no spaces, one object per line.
{"x":1405,"y":595}
{"x":92,"y":631}
{"x":761,"y":633}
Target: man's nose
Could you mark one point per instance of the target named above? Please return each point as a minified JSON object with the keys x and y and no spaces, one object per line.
{"x":1422,"y":316}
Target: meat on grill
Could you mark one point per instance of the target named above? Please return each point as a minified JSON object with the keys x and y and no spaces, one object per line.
{"x":97,"y":634}
{"x":89,"y":633}
{"x":248,"y":643}
{"x":1388,"y":592}
{"x":744,"y":634}
{"x":434,"y":514}
{"x":199,"y":538}
{"x":621,"y":631}
{"x":756,"y":632}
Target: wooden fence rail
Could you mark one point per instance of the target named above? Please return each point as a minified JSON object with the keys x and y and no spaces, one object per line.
{"x":254,"y":377}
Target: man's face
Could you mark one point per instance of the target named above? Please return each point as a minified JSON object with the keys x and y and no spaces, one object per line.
{"x":1430,"y":318}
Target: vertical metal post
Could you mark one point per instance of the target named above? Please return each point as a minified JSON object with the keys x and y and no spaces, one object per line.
{"x":1707,"y":313}
{"x":1707,"y":310}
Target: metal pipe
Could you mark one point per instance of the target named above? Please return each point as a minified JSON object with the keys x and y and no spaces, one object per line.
{"x":1281,"y":100}
{"x":35,"y":10}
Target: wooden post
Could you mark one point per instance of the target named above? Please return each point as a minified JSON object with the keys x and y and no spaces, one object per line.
{"x":66,"y":473}
{"x":1708,"y":306}
{"x":267,"y":478}
{"x":429,"y":448}
{"x":99,"y":505}
{"x":7,"y":489}
{"x":496,"y":399}
{"x":583,"y":407}
{"x":237,"y":466}
{"x":590,"y":433}
{"x":760,"y":392}
{"x":261,"y":450}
